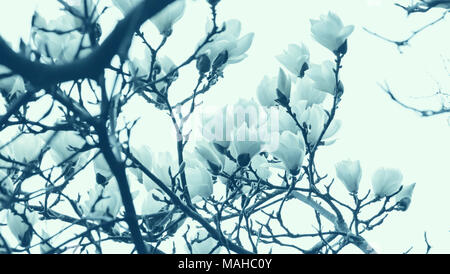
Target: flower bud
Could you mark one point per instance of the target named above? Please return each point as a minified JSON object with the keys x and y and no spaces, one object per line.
{"x":291,"y":151}
{"x":220,"y":60}
{"x":342,"y":50}
{"x":404,"y":197}
{"x":266,"y":92}
{"x":246,"y":144}
{"x":295,"y":59}
{"x":349,"y":172}
{"x":203,"y":64}
{"x":199,"y":182}
{"x":206,"y":153}
{"x":165,"y":19}
{"x":330,"y":32}
{"x":228,"y":40}
{"x":243,"y":159}
{"x":26,"y":148}
{"x":284,"y":84}
{"x":323,"y":77}
{"x":20,"y":222}
{"x":305,"y":90}
{"x":282,"y":99}
{"x":386,"y":181}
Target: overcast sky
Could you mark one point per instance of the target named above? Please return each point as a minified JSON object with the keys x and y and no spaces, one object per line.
{"x":375,"y":130}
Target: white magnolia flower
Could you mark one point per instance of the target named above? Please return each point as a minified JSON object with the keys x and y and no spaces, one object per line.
{"x":125,"y":6}
{"x":64,"y":145}
{"x":199,"y":181}
{"x":284,"y":84}
{"x":5,"y":152}
{"x":291,"y":151}
{"x":19,"y":222}
{"x":18,"y":87}
{"x":203,"y":243}
{"x":64,"y":23}
{"x":229,"y":166}
{"x":12,"y":85}
{"x":404,"y":197}
{"x":60,"y":47}
{"x":304,"y":90}
{"x":246,"y":143}
{"x":315,"y":118}
{"x":6,"y":190}
{"x":227,"y":47}
{"x":140,"y":60}
{"x":104,"y":202}
{"x":26,"y":148}
{"x":140,"y":64}
{"x":46,"y":243}
{"x":349,"y":172}
{"x":162,"y":162}
{"x":249,"y":112}
{"x":8,"y":82}
{"x":167,"y":65}
{"x":330,"y":32}
{"x":323,"y":77}
{"x":144,"y":155}
{"x":266,"y":91}
{"x":153,"y":202}
{"x":140,"y":68}
{"x":85,"y":8}
{"x":299,"y":107}
{"x":386,"y":181}
{"x":333,"y":128}
{"x":278,"y":121}
{"x":295,"y":59}
{"x":101,"y":167}
{"x":208,"y":155}
{"x":286,"y":122}
{"x":165,"y":19}
{"x":261,"y":166}
{"x":216,"y":128}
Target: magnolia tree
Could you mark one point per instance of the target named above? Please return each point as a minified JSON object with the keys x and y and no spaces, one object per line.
{"x":231,"y":189}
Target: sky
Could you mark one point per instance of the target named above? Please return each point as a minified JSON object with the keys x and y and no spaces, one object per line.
{"x":375,"y":130}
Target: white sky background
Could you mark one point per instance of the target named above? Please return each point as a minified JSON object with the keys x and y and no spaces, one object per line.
{"x":375,"y":130}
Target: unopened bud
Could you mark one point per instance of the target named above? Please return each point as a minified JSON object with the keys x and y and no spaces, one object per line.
{"x":101,"y":180}
{"x":342,"y":50}
{"x":203,"y":64}
{"x":213,"y":2}
{"x":220,"y":60}
{"x":340,"y":89}
{"x":243,"y":159}
{"x":282,"y":99}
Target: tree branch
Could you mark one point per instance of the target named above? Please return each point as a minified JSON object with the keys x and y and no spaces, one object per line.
{"x":43,"y":75}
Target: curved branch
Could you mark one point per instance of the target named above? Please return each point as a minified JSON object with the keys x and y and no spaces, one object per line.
{"x":424,"y":113}
{"x":43,"y":75}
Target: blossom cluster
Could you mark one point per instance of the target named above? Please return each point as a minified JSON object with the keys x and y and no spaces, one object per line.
{"x":247,"y":149}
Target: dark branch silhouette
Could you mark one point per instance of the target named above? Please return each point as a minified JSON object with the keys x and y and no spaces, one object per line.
{"x":43,"y":75}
